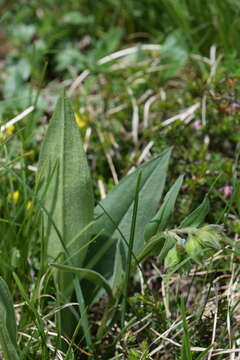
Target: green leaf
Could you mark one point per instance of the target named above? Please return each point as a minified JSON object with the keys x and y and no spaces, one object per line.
{"x":68,"y":194}
{"x":8,"y":331}
{"x":160,"y":220}
{"x":91,"y":275}
{"x":119,"y":201}
{"x":114,"y":214}
{"x":169,"y":243}
{"x":174,"y":54}
{"x":196,"y":218}
{"x":153,"y":247}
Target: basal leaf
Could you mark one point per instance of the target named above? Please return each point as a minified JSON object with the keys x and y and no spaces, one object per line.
{"x":119,"y":201}
{"x":67,"y":194}
{"x":114,"y":214}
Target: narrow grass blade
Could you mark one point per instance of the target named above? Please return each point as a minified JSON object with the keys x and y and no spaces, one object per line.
{"x":36,"y":317}
{"x":130,"y":248}
{"x":186,"y":353}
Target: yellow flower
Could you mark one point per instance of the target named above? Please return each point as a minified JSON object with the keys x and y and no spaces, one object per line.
{"x":14,"y":196}
{"x":80,"y":120}
{"x":10,"y":129}
{"x":29,"y":205}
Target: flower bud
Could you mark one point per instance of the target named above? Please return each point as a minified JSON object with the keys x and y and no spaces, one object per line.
{"x":194,"y":249}
{"x":210,"y":236}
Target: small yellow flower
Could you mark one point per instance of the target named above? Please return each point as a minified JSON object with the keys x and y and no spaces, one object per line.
{"x":80,"y":120}
{"x":14,"y":196}
{"x":10,"y":129}
{"x":29,"y":205}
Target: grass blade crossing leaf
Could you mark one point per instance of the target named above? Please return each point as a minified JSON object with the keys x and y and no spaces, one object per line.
{"x":119,"y":201}
{"x":130,"y":248}
{"x":119,"y":204}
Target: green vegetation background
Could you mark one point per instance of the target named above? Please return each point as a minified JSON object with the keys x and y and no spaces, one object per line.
{"x":46,"y":45}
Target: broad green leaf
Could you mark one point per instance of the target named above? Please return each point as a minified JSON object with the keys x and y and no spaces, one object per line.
{"x":197,"y":217}
{"x":119,"y":201}
{"x":91,"y":275}
{"x":68,"y":194}
{"x":160,"y":220}
{"x":8,"y":331}
{"x":114,"y":214}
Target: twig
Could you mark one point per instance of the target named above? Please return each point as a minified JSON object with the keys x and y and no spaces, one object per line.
{"x":145,"y":152}
{"x":135,"y":116}
{"x":147,"y":105}
{"x":183,"y":116}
